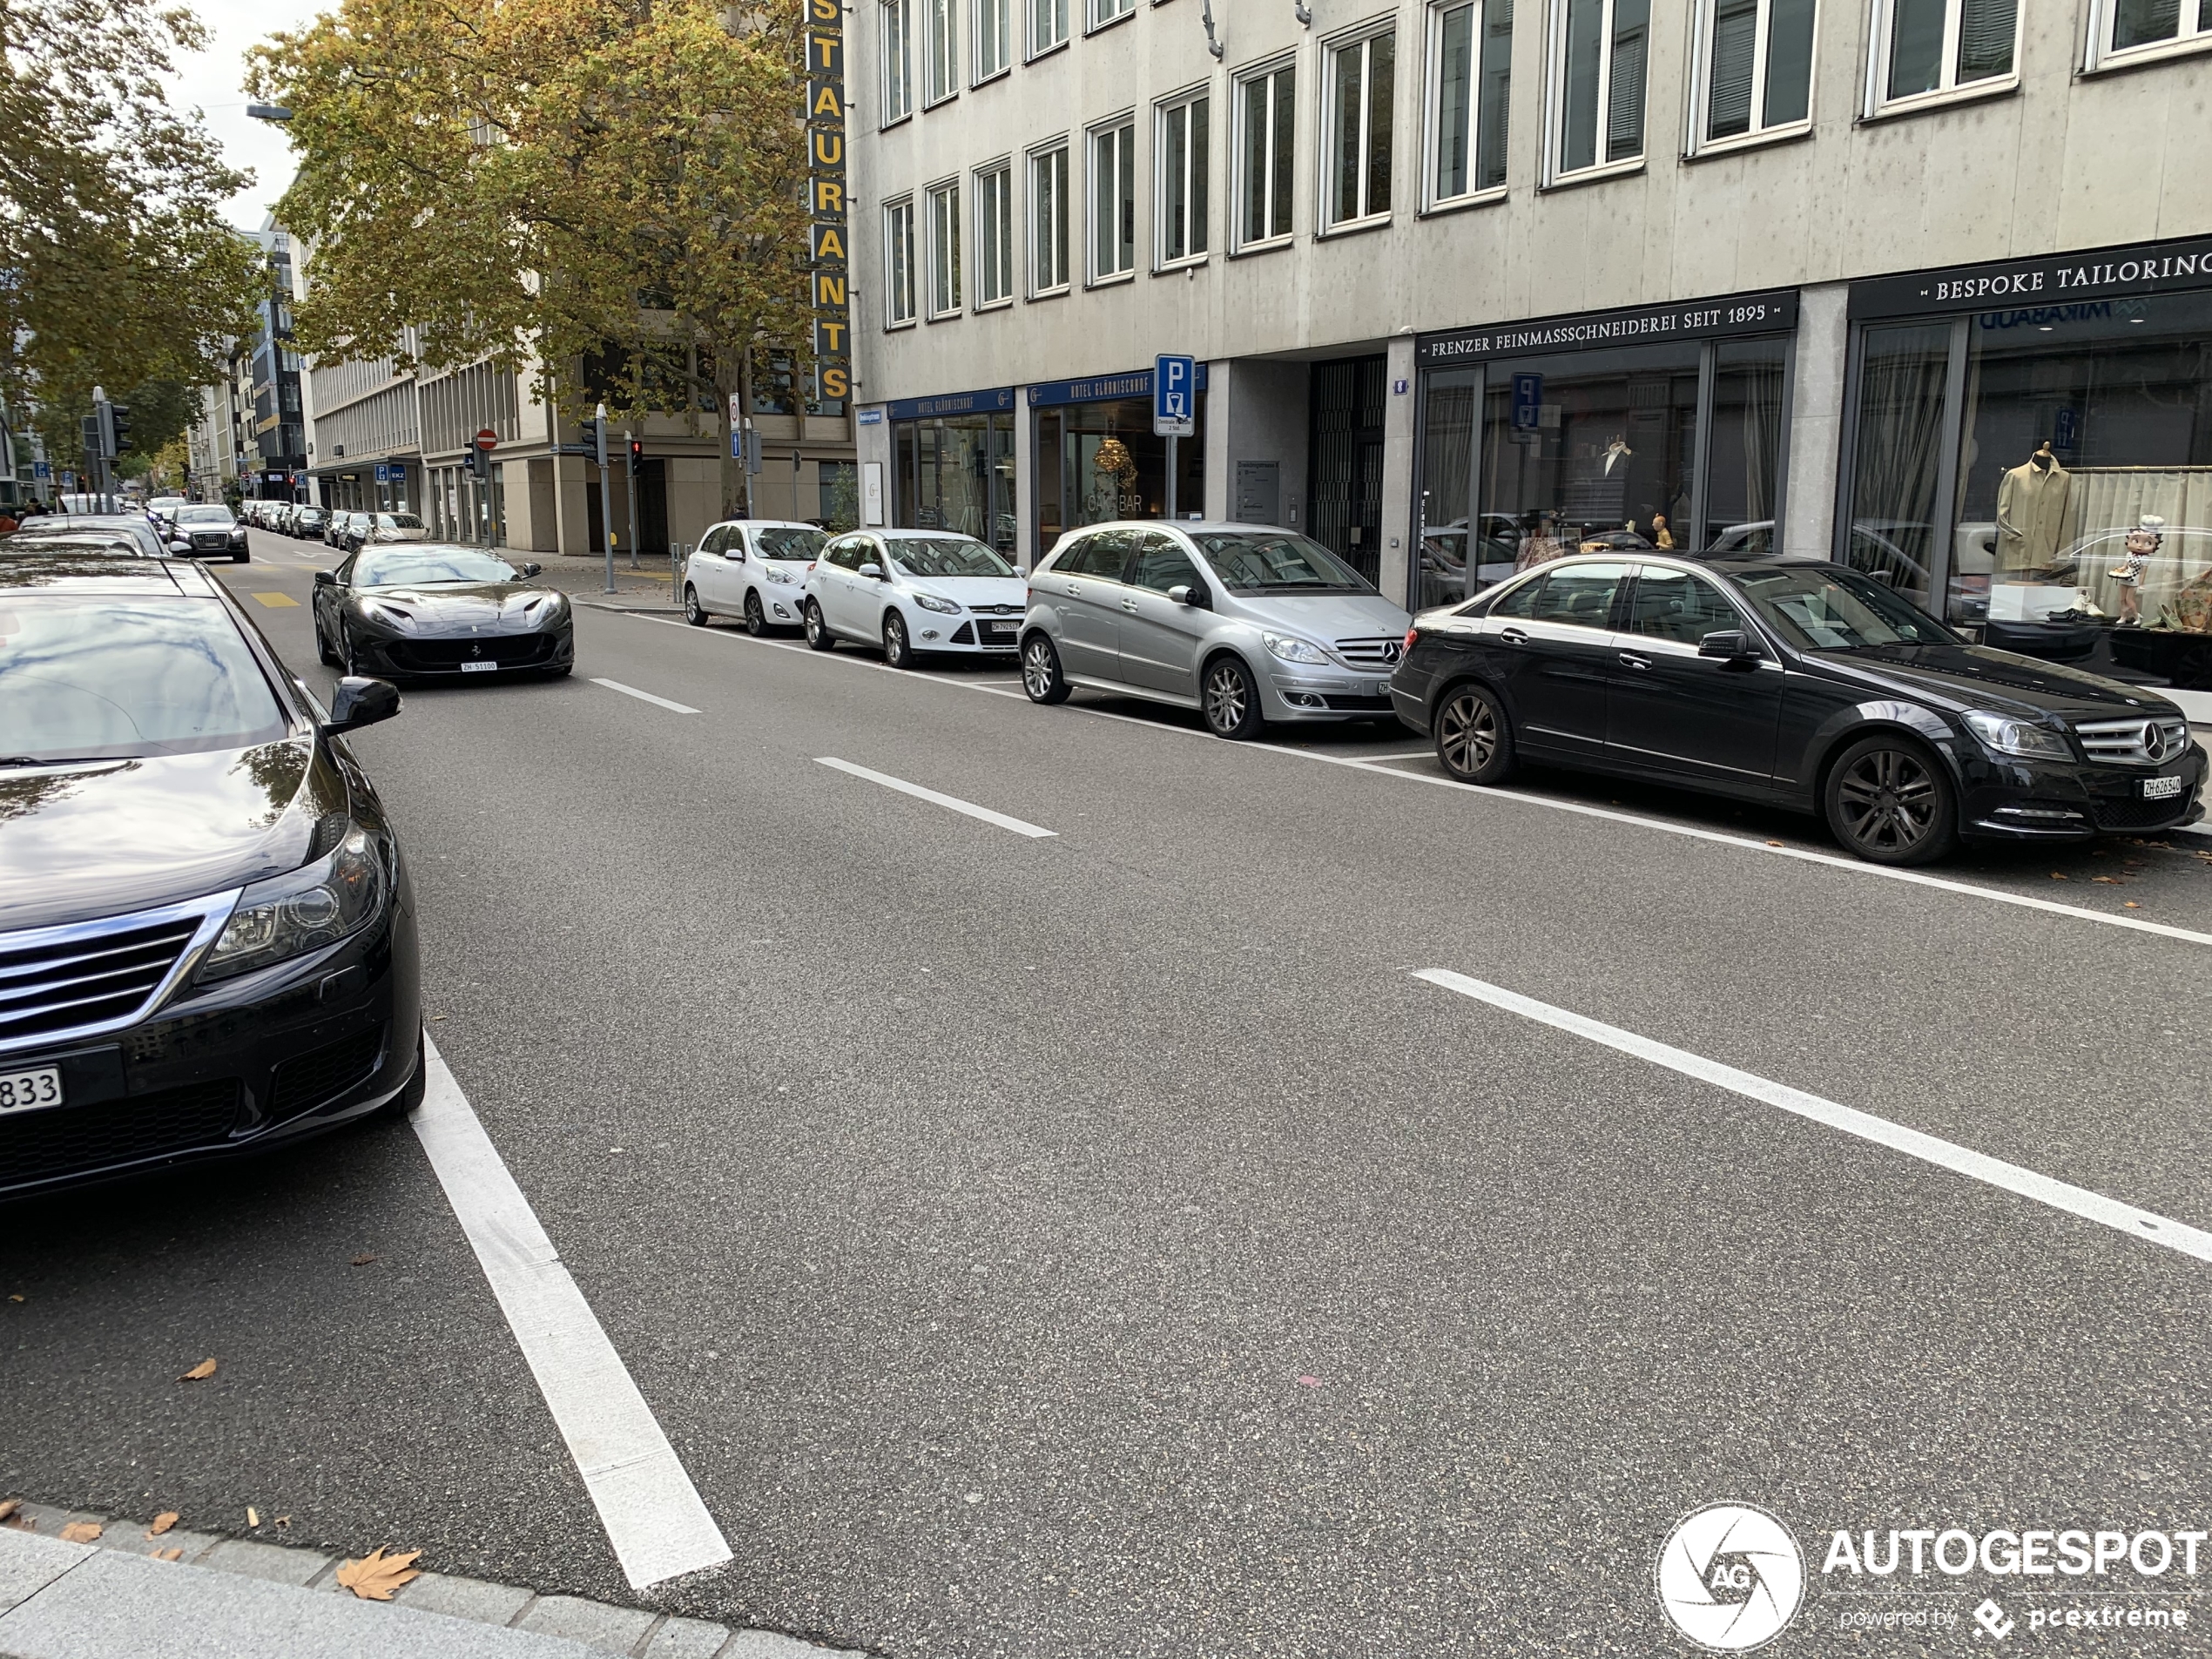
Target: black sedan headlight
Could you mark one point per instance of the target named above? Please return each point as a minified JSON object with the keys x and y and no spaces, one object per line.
{"x":318,"y":904}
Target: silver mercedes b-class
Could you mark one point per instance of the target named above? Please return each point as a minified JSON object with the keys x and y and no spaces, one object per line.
{"x":1244,"y":623}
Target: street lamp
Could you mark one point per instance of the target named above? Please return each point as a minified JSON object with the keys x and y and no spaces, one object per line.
{"x":267,"y":113}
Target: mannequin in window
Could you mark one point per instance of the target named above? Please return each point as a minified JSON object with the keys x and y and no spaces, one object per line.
{"x":2143,"y":543}
{"x":1661,"y":538}
{"x":2031,"y":511}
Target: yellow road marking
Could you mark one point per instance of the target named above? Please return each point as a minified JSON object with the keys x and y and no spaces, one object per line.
{"x":276,"y":601}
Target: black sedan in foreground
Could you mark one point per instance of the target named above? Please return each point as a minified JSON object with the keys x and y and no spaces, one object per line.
{"x":207,"y":938}
{"x":1797,"y":683}
{"x":428,"y":611}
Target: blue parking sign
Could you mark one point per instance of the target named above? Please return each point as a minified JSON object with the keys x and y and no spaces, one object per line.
{"x":1174,"y":410}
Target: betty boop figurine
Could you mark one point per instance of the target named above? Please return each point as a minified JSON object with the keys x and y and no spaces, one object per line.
{"x":2147,"y":536}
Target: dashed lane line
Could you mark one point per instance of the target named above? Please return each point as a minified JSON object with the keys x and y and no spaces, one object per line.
{"x":951,"y":803}
{"x":1929,"y":1148}
{"x":647,"y":697}
{"x":1376,"y":768}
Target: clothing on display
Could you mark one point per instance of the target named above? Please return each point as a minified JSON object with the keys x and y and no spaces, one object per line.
{"x":2031,"y":511}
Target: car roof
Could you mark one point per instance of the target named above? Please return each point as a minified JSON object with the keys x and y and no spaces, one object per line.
{"x":765,"y":523}
{"x":63,"y":572}
{"x":927,"y":536}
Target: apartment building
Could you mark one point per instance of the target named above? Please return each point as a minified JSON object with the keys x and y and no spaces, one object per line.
{"x":1921,"y":285}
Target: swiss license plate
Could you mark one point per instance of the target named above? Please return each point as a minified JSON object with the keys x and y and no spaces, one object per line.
{"x":478,"y":668}
{"x":2161,"y":788}
{"x":22,"y":1091}
{"x":999,"y":629}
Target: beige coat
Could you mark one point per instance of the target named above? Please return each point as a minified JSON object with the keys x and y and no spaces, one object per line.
{"x":2031,"y":516}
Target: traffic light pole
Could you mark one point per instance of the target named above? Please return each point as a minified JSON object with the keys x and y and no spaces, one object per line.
{"x":630,"y":478}
{"x":606,"y":501}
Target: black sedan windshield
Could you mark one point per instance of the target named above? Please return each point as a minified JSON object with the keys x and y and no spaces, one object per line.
{"x":420,"y":567}
{"x":1822,"y":608}
{"x":928,"y":555}
{"x":84,"y":679}
{"x":1273,"y":561}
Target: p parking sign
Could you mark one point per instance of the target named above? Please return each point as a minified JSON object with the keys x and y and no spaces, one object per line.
{"x":1174,"y":397}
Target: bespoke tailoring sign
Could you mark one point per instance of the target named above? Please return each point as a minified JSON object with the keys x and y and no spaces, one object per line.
{"x":2046,"y":280}
{"x":929,"y":408}
{"x":1772,"y":312}
{"x":827,"y":237}
{"x":1101,"y":388}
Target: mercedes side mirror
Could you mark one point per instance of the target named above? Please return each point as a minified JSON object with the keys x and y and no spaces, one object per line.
{"x":1729,"y":644}
{"x":361,"y":702}
{"x":1191,"y":595}
{"x":872,"y":570}
{"x":326,"y":579}
{"x":531,"y":567}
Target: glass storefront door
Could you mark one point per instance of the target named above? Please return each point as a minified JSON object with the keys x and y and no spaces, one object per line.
{"x":1097,"y":461}
{"x":957,"y":473}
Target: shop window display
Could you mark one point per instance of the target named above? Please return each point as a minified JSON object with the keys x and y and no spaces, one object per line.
{"x":957,"y":473}
{"x":1098,"y":461}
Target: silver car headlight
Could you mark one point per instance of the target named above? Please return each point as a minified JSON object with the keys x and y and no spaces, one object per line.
{"x":1291,"y":649}
{"x":2008,"y":736}
{"x":318,"y":904}
{"x":780,"y":576}
{"x":931,"y":602}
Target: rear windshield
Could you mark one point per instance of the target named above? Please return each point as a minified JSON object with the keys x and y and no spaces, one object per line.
{"x":95,"y":678}
{"x":779,"y":543}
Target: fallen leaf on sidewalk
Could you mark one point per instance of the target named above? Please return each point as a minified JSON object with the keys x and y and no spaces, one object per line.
{"x":12,"y":1298}
{"x":200,"y":1373}
{"x":362,"y":1261}
{"x":2056,"y":876}
{"x":176,"y":1554}
{"x":376,"y":1574}
{"x":80,"y":1532}
{"x":2129,"y":904}
{"x":1774,"y":843}
{"x":9,"y":1508}
{"x":162,"y":1522}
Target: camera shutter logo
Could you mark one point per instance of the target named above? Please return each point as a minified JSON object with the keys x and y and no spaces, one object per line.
{"x":1731,"y":1577}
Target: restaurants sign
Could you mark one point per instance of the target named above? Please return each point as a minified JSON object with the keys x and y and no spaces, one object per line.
{"x":827,"y":233}
{"x":1773,"y":312}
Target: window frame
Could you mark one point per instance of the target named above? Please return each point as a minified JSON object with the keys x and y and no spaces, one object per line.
{"x":1360,"y":39}
{"x":978,"y":75}
{"x":1032,"y":47}
{"x":1555,"y":174}
{"x":1879,"y":106}
{"x":2100,"y":55}
{"x":1002,"y":172}
{"x":1433,"y":110}
{"x":894,"y":243}
{"x":1200,"y":174}
{"x":931,"y":195}
{"x":902,"y":60}
{"x":1063,"y":147}
{"x":1282,"y":236}
{"x":1695,"y":142}
{"x":1094,"y":277}
{"x":949,"y":10}
{"x":1114,"y":12}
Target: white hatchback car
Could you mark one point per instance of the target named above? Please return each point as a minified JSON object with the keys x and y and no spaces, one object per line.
{"x":914,"y":593}
{"x":752,"y":568}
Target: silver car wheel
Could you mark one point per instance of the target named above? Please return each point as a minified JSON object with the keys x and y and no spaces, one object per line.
{"x":1468,"y":734}
{"x":1037,"y":668}
{"x":1224,"y":697}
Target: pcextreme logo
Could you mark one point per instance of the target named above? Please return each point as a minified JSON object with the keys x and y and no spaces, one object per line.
{"x":1730,"y":1577}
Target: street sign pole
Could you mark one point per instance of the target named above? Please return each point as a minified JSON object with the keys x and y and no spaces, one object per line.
{"x":630,"y":481}
{"x":606,"y":500}
{"x":1174,"y":410}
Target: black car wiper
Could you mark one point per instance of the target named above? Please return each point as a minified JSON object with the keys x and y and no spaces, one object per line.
{"x":54,"y":760}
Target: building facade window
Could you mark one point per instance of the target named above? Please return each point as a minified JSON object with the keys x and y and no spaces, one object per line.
{"x":1098,"y":461}
{"x":1599,"y":62}
{"x":1266,"y":145}
{"x":1754,"y":68}
{"x":1357,"y":83}
{"x":944,"y":250}
{"x":899,"y":263}
{"x":2125,"y":28}
{"x":1113,"y":201}
{"x":895,"y":41}
{"x":940,"y":49}
{"x":1471,"y":56}
{"x":993,"y":37}
{"x":1047,"y":25}
{"x":1183,"y":152}
{"x":1049,"y":220}
{"x":1927,"y":48}
{"x":994,"y":234}
{"x":1105,"y":11}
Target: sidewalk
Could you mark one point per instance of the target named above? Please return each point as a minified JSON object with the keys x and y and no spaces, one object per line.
{"x":584,"y":580}
{"x":229,"y":1598}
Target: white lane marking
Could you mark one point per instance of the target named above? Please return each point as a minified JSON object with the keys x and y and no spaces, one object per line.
{"x":652,"y":1514}
{"x":1948,"y":1154}
{"x":646,"y":696}
{"x":953,"y":802}
{"x":1832,"y":860}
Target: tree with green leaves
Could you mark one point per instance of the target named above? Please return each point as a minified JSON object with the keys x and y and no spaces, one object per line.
{"x":552,"y":181}
{"x":123,"y":272}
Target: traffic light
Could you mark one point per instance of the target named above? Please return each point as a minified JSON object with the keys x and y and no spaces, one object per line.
{"x":637,"y":452}
{"x":479,"y":462}
{"x":118,"y":420}
{"x":89,"y":436}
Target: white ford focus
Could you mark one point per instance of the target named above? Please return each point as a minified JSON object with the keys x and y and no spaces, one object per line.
{"x":914,"y":593}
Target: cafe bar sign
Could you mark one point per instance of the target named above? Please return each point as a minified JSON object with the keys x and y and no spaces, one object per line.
{"x":2047,"y":280}
{"x":1773,"y":312}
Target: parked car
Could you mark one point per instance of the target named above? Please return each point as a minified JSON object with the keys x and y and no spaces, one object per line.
{"x":309,"y":523}
{"x":333,"y":529}
{"x":1797,"y":683}
{"x":105,"y":528}
{"x":754,"y":567}
{"x":440,"y":611}
{"x":207,"y":937}
{"x":1244,"y":622}
{"x":211,"y":529}
{"x":915,"y":593}
{"x":162,"y":509}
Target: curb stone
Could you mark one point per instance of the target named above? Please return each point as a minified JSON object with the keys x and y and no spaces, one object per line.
{"x":637,"y":1632}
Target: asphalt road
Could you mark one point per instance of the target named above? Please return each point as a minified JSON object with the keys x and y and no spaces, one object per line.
{"x":1104,"y":1244}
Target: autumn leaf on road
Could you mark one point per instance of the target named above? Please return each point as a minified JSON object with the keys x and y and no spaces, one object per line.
{"x":176,"y":1554}
{"x":376,"y":1574}
{"x":9,"y":1508}
{"x":162,"y":1522}
{"x":200,"y":1373}
{"x":80,"y":1532}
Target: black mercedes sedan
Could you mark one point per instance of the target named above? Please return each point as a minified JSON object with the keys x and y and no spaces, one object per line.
{"x":207,"y":936}
{"x":429,"y":610}
{"x":1797,"y":683}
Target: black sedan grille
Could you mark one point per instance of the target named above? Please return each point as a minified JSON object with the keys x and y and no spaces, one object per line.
{"x":306,"y":1081}
{"x":61,"y":1140}
{"x":211,"y":538}
{"x":2139,"y":814}
{"x":444,"y":656}
{"x":67,"y":984}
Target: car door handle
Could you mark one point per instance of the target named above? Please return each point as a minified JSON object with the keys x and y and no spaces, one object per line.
{"x":1513,"y":637}
{"x":1073,"y":591}
{"x":1130,"y":605}
{"x":1629,"y":659}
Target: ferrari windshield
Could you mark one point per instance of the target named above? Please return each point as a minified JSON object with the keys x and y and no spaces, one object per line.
{"x":944,"y":555}
{"x":423,"y":567}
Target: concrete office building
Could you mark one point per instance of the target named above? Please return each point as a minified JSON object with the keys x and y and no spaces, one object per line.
{"x":1923,"y":284}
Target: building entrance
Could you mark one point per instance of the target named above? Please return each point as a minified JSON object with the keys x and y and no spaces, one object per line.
{"x":1345,"y":460}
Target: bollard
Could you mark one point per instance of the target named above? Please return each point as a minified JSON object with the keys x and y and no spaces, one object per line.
{"x":679,"y":552}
